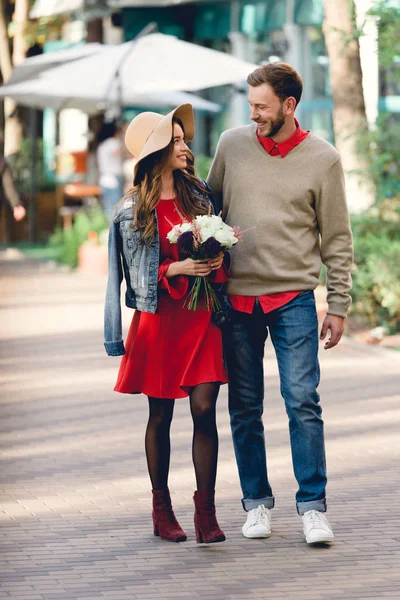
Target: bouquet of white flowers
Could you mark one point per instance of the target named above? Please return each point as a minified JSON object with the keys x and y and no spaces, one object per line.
{"x":203,"y":237}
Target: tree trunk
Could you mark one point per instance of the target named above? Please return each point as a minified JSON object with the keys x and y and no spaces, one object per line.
{"x":20,"y":19}
{"x":5,"y":54}
{"x":349,"y":118}
{"x":13,"y":129}
{"x":94,"y":31}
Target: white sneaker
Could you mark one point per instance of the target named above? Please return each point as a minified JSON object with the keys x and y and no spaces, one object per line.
{"x":258,"y":523}
{"x":316,"y":527}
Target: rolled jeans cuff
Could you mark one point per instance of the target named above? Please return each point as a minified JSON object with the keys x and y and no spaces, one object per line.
{"x":303,"y":507}
{"x":250,"y":503}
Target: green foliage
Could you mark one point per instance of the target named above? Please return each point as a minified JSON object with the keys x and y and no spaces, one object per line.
{"x":388,"y":25}
{"x":203,"y":164}
{"x":376,"y":278}
{"x":386,"y":149}
{"x":40,"y":31}
{"x":69,"y":240}
{"x":37,"y":251}
{"x":22,"y":168}
{"x":383,"y":154}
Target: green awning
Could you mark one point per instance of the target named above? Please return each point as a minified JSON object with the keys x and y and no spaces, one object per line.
{"x":309,"y":12}
{"x":258,"y":17}
{"x":155,"y":3}
{"x":213,"y":21}
{"x":134,"y":20}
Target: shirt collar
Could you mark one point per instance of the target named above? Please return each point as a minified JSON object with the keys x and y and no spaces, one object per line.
{"x":283,"y":147}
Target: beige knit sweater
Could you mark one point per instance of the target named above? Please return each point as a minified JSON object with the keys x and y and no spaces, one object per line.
{"x":296,"y":213}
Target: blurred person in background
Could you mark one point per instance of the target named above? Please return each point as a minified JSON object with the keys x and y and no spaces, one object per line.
{"x":8,"y":190}
{"x":128,"y":167}
{"x":109,"y":162}
{"x":286,"y":185}
{"x":171,"y":352}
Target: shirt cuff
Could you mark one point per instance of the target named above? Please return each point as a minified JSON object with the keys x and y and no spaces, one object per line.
{"x":115,"y":348}
{"x":337,"y":310}
{"x":176,"y":286}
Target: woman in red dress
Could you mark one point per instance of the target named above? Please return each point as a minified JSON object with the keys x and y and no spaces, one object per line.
{"x":174,"y":352}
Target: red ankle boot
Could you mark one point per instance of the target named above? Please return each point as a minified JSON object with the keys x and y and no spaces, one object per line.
{"x":164,"y":521}
{"x":205,"y":521}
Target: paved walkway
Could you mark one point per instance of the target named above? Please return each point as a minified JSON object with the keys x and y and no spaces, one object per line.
{"x":75,"y":496}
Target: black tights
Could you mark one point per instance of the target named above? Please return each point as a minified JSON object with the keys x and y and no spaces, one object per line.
{"x":203,"y":399}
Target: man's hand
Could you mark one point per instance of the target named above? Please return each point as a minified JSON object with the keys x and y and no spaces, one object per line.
{"x":336,"y":326}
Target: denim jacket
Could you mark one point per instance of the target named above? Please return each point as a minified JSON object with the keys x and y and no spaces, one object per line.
{"x":138,"y":263}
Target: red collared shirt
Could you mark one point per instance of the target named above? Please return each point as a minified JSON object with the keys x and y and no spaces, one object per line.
{"x":283,"y":148}
{"x":272,"y":301}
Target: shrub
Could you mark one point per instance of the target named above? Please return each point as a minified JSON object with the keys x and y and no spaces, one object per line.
{"x":69,"y":240}
{"x":376,"y":277}
{"x":22,"y":168}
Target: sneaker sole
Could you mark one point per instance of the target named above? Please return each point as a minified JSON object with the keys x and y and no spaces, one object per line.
{"x":321,"y":540}
{"x":256,"y":536}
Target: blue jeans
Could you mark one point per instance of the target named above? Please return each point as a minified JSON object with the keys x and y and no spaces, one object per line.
{"x":294,"y":333}
{"x":110,"y":196}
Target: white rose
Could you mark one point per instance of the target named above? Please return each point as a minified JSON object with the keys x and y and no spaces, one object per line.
{"x":226,"y":236}
{"x":201,"y":221}
{"x":216,"y":221}
{"x":206,"y":233}
{"x":185,"y":227}
{"x":173,"y":235}
{"x":208,"y":225}
{"x":177,"y":230}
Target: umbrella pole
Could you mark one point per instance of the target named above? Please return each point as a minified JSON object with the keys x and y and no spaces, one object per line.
{"x":120,"y":122}
{"x":32,"y":199}
{"x":150,"y":27}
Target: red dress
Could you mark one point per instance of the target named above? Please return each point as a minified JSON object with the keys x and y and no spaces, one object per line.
{"x":174,"y":349}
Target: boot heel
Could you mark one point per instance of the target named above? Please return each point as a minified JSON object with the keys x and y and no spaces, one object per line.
{"x":199,"y":535}
{"x":206,"y":525}
{"x":165,"y":524}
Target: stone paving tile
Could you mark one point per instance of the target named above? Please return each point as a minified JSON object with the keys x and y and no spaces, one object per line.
{"x":75,"y":501}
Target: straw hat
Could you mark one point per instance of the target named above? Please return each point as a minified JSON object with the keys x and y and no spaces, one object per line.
{"x":149,"y":132}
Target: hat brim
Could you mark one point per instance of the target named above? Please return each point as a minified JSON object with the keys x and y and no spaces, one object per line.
{"x":160,"y":137}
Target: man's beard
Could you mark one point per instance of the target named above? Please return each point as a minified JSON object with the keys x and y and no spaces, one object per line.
{"x":277,"y":124}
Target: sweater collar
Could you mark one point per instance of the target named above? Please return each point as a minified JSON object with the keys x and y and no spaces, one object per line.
{"x":286,"y":146}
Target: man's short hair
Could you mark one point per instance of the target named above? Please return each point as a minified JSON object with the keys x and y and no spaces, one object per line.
{"x":283,"y":79}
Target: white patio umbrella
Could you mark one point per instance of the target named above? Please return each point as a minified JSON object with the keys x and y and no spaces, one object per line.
{"x":35,"y":65}
{"x":148,"y":64}
{"x":43,"y":93}
{"x":48,"y":8}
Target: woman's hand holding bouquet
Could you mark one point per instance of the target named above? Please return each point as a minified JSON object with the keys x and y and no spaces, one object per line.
{"x":201,"y":244}
{"x":196,"y":268}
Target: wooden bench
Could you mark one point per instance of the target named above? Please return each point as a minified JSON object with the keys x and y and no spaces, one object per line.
{"x":72,"y":197}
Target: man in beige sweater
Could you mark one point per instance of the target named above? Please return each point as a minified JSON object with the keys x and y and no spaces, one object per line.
{"x":286,"y":186}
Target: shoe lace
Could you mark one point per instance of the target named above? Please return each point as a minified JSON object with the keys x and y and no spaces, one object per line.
{"x":260,"y":514}
{"x":316,"y":519}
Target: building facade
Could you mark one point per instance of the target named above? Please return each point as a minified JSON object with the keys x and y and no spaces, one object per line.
{"x":257,"y":31}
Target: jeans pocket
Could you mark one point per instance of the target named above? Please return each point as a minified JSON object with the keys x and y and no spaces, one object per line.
{"x":305,"y":293}
{"x":305,"y":297}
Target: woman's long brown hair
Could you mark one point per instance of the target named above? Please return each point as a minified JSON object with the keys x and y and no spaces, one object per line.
{"x":149,"y":186}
